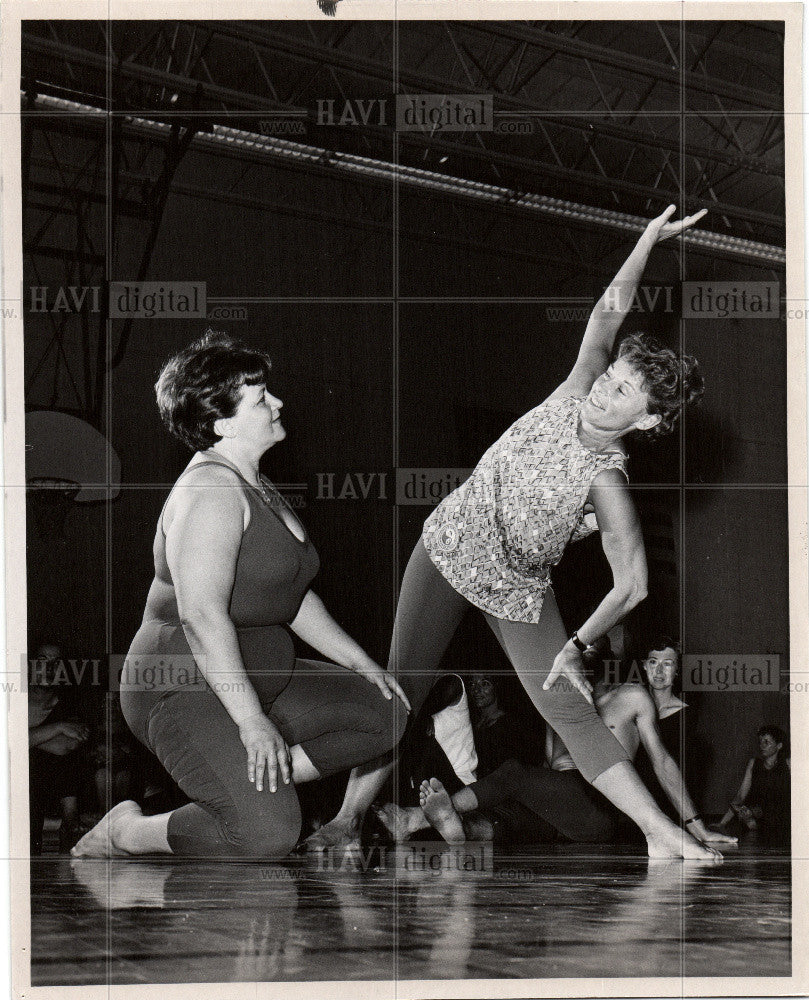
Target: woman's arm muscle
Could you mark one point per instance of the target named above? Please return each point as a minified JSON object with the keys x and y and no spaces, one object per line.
{"x":622,"y":541}
{"x":202,"y":548}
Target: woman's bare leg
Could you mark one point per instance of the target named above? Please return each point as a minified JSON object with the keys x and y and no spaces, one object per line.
{"x":364,"y":784}
{"x":622,"y":786}
{"x":594,"y":749}
{"x":465,"y":801}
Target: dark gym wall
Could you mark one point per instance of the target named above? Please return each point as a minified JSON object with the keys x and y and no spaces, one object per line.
{"x":464,"y":371}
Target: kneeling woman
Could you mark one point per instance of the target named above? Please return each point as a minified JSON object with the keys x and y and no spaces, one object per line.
{"x":233,"y":567}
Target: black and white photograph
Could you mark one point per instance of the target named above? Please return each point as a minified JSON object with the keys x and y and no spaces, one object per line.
{"x":405,"y":499}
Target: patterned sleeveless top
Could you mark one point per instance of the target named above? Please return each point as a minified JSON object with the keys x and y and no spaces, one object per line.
{"x":497,"y":536}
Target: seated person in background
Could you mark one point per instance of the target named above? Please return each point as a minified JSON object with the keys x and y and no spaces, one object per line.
{"x":660,"y":671}
{"x":497,"y":734}
{"x":441,"y":741}
{"x":661,"y":666}
{"x":559,"y":795}
{"x":53,"y":757}
{"x":113,"y":757}
{"x":500,"y":738}
{"x":762,"y":802}
{"x":443,"y":738}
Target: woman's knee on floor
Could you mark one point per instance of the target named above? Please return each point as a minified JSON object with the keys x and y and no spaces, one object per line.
{"x":263,"y":828}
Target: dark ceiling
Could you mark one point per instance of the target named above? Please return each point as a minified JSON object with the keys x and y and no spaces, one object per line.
{"x":611,"y":120}
{"x":614,"y":114}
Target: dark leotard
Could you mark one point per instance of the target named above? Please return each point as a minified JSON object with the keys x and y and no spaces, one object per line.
{"x":336,"y":716}
{"x":769,"y":790}
{"x":273,"y":572}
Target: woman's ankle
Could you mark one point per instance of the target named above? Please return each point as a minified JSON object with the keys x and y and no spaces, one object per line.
{"x":660,"y":826}
{"x":348,"y":820}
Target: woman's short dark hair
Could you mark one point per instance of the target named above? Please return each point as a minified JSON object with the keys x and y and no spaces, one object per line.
{"x":659,"y":641}
{"x":777,"y":734}
{"x":673,"y":381}
{"x":202,"y":384}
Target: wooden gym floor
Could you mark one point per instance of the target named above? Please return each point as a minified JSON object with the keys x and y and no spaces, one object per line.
{"x":425,"y":913}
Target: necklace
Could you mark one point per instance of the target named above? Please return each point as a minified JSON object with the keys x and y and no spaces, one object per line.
{"x":268,"y":497}
{"x":273,"y":499}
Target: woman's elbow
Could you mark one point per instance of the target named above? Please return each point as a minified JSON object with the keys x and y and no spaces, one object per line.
{"x":633,"y":592}
{"x":200,"y":620}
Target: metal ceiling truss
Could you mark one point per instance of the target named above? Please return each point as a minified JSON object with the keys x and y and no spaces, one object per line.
{"x":89,"y":197}
{"x":176,"y":63}
{"x":608,"y":143}
{"x":221,"y":138}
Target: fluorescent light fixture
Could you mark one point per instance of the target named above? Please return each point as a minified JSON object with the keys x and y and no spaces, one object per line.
{"x":363,"y":166}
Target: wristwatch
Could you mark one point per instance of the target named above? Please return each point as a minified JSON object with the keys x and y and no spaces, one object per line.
{"x":581,"y":646}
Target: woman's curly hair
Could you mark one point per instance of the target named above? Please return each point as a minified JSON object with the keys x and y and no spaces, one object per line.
{"x":202,"y":384}
{"x":673,"y":381}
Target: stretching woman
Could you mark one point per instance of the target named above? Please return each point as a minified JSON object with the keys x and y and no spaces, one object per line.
{"x":493,"y":542}
{"x":234,"y":708}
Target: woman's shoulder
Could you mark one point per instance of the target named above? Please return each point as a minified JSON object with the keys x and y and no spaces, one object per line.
{"x":211,"y":483}
{"x":202,"y":471}
{"x":550,"y":410}
{"x":672,"y":708}
{"x":207,"y":487}
{"x":612,"y":459}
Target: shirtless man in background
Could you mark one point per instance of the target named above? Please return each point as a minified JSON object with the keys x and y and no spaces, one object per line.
{"x":559,"y":794}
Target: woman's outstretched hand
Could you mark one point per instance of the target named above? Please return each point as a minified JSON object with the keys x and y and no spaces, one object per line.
{"x":383,"y":679}
{"x":661,"y":229}
{"x":568,"y":664}
{"x":266,"y":748}
{"x":707,"y":836}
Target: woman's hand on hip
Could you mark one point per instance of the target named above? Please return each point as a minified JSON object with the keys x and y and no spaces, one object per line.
{"x":383,"y":679}
{"x":266,"y":748}
{"x":568,"y":664}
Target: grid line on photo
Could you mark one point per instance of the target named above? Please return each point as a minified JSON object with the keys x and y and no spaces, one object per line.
{"x":395,"y":518}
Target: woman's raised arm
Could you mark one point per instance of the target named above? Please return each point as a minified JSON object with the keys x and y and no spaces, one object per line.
{"x":610,"y":310}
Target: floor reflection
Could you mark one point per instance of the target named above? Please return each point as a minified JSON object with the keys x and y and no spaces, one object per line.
{"x":527,"y":915}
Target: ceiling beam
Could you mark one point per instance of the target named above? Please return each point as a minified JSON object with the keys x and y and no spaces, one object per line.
{"x":630,"y":63}
{"x":383,"y":73}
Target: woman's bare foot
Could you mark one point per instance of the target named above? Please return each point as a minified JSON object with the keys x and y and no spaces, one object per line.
{"x":108,"y":838}
{"x":400,"y":822}
{"x":672,"y":842}
{"x":339,"y":834}
{"x":439,"y":810}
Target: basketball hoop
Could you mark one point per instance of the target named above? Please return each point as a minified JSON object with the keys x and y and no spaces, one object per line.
{"x":68,"y":456}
